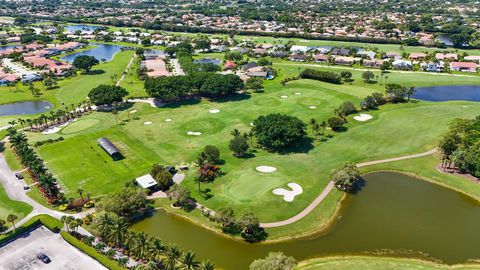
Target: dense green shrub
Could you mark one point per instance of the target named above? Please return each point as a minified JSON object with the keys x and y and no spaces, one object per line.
{"x":324,"y":76}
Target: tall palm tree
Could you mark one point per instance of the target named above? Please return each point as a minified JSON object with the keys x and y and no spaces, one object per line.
{"x":12,"y":218}
{"x":251,"y":135}
{"x":156,"y":249}
{"x":173,"y":254}
{"x":188,"y":261}
{"x":80,"y":192}
{"x":206,"y":265}
{"x":140,"y":244}
{"x":117,"y":232}
{"x":235,"y":133}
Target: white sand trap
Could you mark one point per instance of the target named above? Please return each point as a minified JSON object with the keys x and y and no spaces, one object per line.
{"x":147,"y":123}
{"x":363,"y":117}
{"x":168,"y":120}
{"x":284,"y":96}
{"x":133,"y":111}
{"x":298,"y":93}
{"x":251,"y":124}
{"x":312,"y":107}
{"x":266,"y":169}
{"x":214,"y":111}
{"x":194,"y":133}
{"x":289,"y":195}
{"x":51,"y":130}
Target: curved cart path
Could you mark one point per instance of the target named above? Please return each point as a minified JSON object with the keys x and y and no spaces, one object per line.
{"x":330,"y":187}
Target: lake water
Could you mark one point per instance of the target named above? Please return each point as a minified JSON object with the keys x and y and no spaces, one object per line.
{"x":26,"y":107}
{"x":101,"y":51}
{"x":445,"y":93}
{"x":445,"y":38}
{"x":81,"y":27}
{"x":393,"y":212}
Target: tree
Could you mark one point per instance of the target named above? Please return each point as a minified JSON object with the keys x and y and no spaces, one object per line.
{"x":206,"y":265}
{"x":118,"y":231}
{"x":80,"y":192}
{"x":274,"y":261}
{"x":212,"y":154}
{"x":395,"y":93}
{"x":386,"y":65}
{"x":336,"y":123}
{"x":168,"y":88}
{"x":410,"y":91}
{"x":325,"y":76}
{"x":346,"y":108}
{"x":368,"y":75}
{"x":368,"y":103}
{"x":129,"y":203}
{"x":173,"y":255}
{"x":85,"y":62}
{"x":277,"y":131}
{"x":189,"y":262}
{"x":346,"y":177}
{"x":238,"y":145}
{"x":162,"y":176}
{"x":254,"y":83}
{"x":379,"y":98}
{"x":12,"y":218}
{"x":208,"y":172}
{"x":233,"y":56}
{"x":179,"y":194}
{"x":252,"y":232}
{"x":346,"y":76}
{"x":3,"y":226}
{"x":228,"y":221}
{"x":107,"y":94}
{"x":221,"y":85}
{"x":264,"y":62}
{"x":202,"y":44}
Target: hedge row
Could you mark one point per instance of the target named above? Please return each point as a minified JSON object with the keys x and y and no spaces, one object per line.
{"x":51,"y":223}
{"x":90,"y":251}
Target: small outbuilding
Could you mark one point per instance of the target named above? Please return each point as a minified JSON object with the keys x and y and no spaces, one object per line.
{"x":110,"y":148}
{"x":146,"y":182}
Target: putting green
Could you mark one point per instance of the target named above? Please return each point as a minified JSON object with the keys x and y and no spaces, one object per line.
{"x":205,"y":126}
{"x":309,"y":101}
{"x":251,"y":185}
{"x":80,"y":125}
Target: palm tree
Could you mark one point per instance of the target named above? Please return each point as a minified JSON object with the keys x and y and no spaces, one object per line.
{"x":156,"y":249}
{"x":118,"y":231}
{"x":140,"y":244}
{"x":410,"y":91}
{"x":188,"y":261}
{"x":323,"y":125}
{"x":80,"y":192}
{"x":312,"y":122}
{"x":104,"y":224}
{"x":235,"y":133}
{"x":206,"y":265}
{"x":12,"y":218}
{"x":173,"y":254}
{"x":251,"y":135}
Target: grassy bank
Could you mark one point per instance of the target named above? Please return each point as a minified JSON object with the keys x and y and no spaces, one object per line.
{"x":377,"y":263}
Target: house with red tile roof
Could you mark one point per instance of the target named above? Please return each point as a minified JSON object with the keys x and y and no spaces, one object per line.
{"x":463,"y":66}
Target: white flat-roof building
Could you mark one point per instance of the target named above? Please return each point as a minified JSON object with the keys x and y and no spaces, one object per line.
{"x":146,"y":181}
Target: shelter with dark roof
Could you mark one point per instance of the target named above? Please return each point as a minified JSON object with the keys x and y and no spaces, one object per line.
{"x":110,"y":148}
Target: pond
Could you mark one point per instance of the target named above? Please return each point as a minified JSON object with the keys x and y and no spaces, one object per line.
{"x":100,"y":51}
{"x":445,"y":93}
{"x":394,"y":212}
{"x":26,"y":107}
{"x":81,"y":27}
{"x":445,"y":38}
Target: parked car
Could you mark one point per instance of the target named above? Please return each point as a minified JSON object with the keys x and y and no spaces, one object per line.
{"x":26,"y":187}
{"x":171,"y":169}
{"x":43,"y":257}
{"x":19,"y":176}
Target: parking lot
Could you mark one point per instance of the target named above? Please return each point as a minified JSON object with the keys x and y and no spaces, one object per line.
{"x":21,"y":253}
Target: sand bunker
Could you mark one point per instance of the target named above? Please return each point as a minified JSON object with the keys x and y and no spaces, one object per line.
{"x":147,"y":123}
{"x":133,"y":111}
{"x":266,"y":169}
{"x":284,"y":96}
{"x":51,"y":130}
{"x":214,"y":111}
{"x":251,"y":124}
{"x":312,"y":107}
{"x":363,"y":117}
{"x":194,"y":133}
{"x":289,"y":195}
{"x":168,"y":120}
{"x":298,"y":93}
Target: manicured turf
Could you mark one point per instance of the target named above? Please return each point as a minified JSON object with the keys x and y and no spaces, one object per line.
{"x":8,"y":206}
{"x":376,"y":263}
{"x":395,"y":130}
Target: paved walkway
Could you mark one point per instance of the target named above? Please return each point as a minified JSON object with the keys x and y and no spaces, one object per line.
{"x":126,"y":71}
{"x":331,"y":185}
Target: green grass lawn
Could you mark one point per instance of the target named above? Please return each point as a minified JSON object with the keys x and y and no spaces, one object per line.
{"x":394,"y":130}
{"x":70,"y":90}
{"x":376,"y":263}
{"x":8,"y":206}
